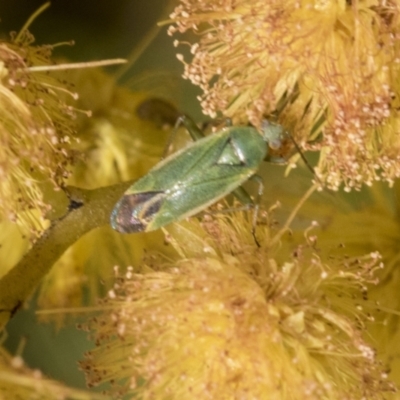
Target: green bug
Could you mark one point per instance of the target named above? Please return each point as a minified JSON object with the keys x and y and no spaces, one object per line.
{"x":197,"y":176}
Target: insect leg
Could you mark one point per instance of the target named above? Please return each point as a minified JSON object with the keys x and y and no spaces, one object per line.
{"x":260,"y":192}
{"x":194,"y":131}
{"x":241,"y":194}
{"x":303,"y":157}
{"x":248,"y":202}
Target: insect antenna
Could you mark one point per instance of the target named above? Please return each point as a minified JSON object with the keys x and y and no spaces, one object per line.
{"x":303,"y":157}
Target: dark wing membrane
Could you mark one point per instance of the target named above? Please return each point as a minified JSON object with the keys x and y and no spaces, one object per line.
{"x":133,"y":212}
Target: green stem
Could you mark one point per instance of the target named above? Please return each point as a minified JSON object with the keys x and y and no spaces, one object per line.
{"x":91,"y":209}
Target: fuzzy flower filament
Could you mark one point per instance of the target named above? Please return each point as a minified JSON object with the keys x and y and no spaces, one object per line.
{"x":237,"y":323}
{"x":327,"y":68}
{"x":36,"y":129}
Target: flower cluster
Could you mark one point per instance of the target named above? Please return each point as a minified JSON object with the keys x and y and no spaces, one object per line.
{"x":235,"y":322}
{"x":328,"y":69}
{"x":36,"y":130}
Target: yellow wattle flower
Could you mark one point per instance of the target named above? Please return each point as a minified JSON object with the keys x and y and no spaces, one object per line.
{"x":327,"y":70}
{"x":229,"y":320}
{"x":36,"y":130}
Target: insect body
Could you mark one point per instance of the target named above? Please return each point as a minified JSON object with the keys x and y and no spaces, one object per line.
{"x":193,"y":178}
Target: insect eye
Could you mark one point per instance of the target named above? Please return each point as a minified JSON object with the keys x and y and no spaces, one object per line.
{"x":275,"y":144}
{"x":273,"y":134}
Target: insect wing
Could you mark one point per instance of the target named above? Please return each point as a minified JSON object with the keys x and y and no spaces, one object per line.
{"x":134,"y":211}
{"x":190,"y":180}
{"x":139,"y":205}
{"x":215,"y":169}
